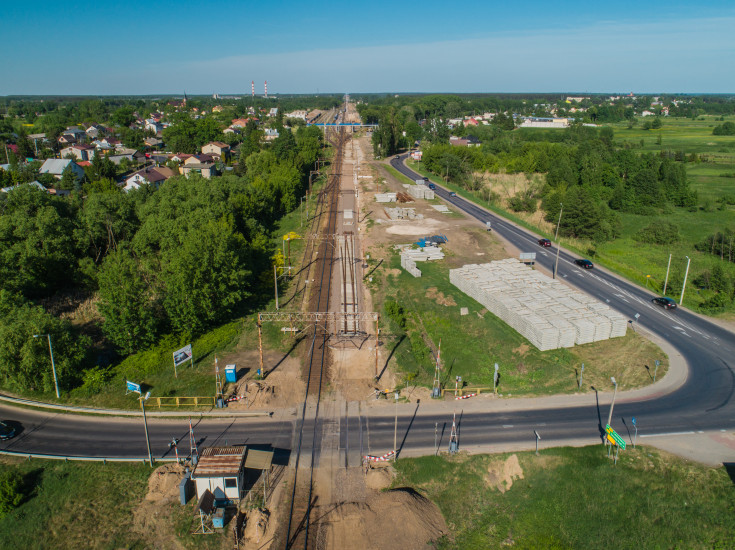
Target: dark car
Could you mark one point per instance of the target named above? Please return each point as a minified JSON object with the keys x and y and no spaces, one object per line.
{"x":426,"y":178}
{"x":397,"y":157}
{"x":452,"y":194}
{"x":584,"y":263}
{"x":6,"y":431}
{"x":544,"y":242}
{"x":666,"y":303}
{"x":432,"y":186}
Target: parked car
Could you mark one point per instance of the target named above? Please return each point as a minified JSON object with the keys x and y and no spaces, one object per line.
{"x":6,"y":431}
{"x":666,"y":303}
{"x":544,"y":242}
{"x":584,"y":263}
{"x":452,"y":194}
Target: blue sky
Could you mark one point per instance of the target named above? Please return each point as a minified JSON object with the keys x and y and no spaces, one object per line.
{"x":51,"y":47}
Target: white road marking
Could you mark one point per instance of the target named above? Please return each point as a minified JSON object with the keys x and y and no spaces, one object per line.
{"x":507,"y":425}
{"x":666,"y":435}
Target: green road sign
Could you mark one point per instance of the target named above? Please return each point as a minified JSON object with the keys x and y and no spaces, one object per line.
{"x":619,"y":440}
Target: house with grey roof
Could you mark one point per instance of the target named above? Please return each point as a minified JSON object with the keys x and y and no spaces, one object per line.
{"x":57,"y":167}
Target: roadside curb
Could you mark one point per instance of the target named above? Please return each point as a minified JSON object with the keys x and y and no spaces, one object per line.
{"x":121,"y":412}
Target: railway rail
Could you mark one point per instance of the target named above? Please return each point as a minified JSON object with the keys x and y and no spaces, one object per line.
{"x":301,"y":532}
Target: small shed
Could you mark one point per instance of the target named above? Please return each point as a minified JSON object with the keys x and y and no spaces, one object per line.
{"x":221,"y":470}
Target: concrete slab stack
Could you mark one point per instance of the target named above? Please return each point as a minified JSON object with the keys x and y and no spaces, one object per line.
{"x":420,"y":192}
{"x":546,"y":312}
{"x":385,"y":197}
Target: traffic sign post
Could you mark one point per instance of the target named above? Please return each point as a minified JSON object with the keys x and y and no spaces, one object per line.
{"x":655,"y":371}
{"x":495,"y":379}
{"x":614,"y":437}
{"x":537,"y":438}
{"x":635,"y":438}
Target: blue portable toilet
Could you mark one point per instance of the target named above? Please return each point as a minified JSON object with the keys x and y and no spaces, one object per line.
{"x":231,"y":373}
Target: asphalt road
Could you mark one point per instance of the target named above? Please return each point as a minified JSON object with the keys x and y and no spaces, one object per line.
{"x":703,"y":402}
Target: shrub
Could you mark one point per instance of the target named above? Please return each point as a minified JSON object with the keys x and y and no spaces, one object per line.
{"x":659,"y":232}
{"x":11,"y":490}
{"x":396,"y":313}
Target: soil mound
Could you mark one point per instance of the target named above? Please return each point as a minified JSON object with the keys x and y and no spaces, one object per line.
{"x":256,"y":525}
{"x":401,"y":519}
{"x":379,"y":478}
{"x":502,"y":474}
{"x":163,"y":485}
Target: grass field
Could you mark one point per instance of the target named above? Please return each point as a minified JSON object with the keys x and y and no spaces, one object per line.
{"x":471,"y":344}
{"x":576,"y":498}
{"x":72,"y":505}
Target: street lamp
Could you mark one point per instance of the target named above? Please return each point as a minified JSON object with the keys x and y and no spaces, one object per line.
{"x":681,"y":299}
{"x":556,"y":238}
{"x":609,"y":417}
{"x":142,"y":400}
{"x":53,"y":366}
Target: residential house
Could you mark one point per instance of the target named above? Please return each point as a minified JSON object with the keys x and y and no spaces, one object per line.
{"x":153,"y":143}
{"x":35,"y":184}
{"x":79,"y":135}
{"x":217,"y":149}
{"x":67,"y":139}
{"x":153,"y":125}
{"x":270,"y":134}
{"x":95,"y":131}
{"x":231,"y":130}
{"x":57,"y":167}
{"x":124,"y":153}
{"x":200,"y":158}
{"x":204,"y":169}
{"x":273,"y":112}
{"x":180,"y":157}
{"x":79,"y":152}
{"x":469,"y":141}
{"x":151,"y":175}
{"x":239,"y":123}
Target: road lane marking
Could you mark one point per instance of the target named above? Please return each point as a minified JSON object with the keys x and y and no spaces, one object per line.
{"x":507,"y":425}
{"x":667,"y":434}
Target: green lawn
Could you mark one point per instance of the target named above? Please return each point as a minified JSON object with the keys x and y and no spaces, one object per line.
{"x":577,"y":498}
{"x":91,"y":505}
{"x":472,"y":343}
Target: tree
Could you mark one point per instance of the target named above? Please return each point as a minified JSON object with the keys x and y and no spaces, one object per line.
{"x":37,"y":248}
{"x":21,"y":355}
{"x":127,"y":302}
{"x":205,"y":277}
{"x":124,"y":116}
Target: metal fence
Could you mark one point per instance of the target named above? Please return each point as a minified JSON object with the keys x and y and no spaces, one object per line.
{"x":103,"y":459}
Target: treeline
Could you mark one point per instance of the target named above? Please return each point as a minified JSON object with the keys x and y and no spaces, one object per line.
{"x":180,"y":259}
{"x":584,"y":172}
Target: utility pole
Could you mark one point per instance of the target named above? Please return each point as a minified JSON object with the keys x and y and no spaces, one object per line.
{"x":666,"y":282}
{"x":556,"y":238}
{"x":395,"y":431}
{"x":436,"y":390}
{"x":143,"y":399}
{"x":581,"y":374}
{"x":275,"y":282}
{"x":53,"y":366}
{"x":683,"y":287}
{"x":436,"y":432}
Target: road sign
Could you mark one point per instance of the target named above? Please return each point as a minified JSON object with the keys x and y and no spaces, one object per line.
{"x":633,"y":420}
{"x":132,"y":386}
{"x":616,"y":438}
{"x":611,"y":439}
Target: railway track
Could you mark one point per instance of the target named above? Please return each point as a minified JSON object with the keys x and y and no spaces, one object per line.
{"x":301,"y":531}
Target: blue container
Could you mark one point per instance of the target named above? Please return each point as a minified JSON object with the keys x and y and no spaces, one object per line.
{"x":231,"y":373}
{"x":218,"y":519}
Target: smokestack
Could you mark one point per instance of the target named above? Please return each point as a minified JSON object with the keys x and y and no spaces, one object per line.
{"x":266,"y":89}
{"x":252,"y":87}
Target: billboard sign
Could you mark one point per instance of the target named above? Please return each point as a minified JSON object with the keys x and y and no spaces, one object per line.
{"x":132,"y":386}
{"x":182,"y":355}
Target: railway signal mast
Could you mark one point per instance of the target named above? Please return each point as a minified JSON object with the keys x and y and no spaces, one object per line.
{"x":436,"y":391}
